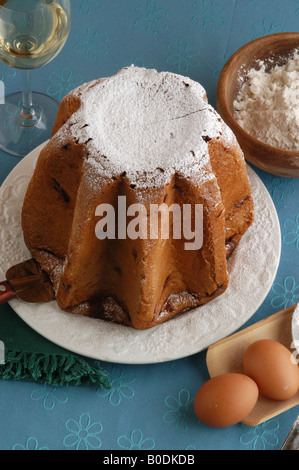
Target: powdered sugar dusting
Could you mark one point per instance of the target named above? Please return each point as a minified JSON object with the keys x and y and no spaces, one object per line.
{"x":53,"y":265}
{"x":140,"y":120}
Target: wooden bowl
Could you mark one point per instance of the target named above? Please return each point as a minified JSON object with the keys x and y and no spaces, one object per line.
{"x":273,"y":49}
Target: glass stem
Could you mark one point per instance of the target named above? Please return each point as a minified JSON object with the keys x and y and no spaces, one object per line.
{"x":27,"y":109}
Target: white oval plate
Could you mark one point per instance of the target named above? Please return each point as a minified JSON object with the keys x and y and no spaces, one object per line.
{"x":252,"y":268}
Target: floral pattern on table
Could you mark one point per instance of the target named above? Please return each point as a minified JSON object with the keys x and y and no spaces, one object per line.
{"x":180,"y":409}
{"x":261,"y":437}
{"x":49,"y":396}
{"x":208,"y":14}
{"x":31,"y":444}
{"x":291,"y":231}
{"x":121,"y":386}
{"x":183,"y":54}
{"x":63,"y":82}
{"x":84,"y":433}
{"x":91,"y":43}
{"x":285,"y":293}
{"x":151,"y":17}
{"x":88,"y":7}
{"x":136,"y":441}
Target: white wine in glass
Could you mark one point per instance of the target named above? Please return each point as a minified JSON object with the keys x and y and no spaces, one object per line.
{"x":32,"y":33}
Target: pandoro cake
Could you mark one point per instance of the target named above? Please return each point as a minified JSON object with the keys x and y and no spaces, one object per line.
{"x":145,"y":138}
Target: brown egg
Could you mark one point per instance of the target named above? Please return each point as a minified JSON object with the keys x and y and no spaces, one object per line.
{"x":271,"y":365}
{"x":225,"y":399}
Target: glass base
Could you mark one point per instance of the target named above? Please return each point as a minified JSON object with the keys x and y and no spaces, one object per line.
{"x":20,"y":135}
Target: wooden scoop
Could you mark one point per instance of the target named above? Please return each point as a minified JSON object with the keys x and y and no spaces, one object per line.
{"x":226,"y":356}
{"x":28,"y":282}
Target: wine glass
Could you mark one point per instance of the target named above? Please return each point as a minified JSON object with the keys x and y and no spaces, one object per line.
{"x":32,"y":33}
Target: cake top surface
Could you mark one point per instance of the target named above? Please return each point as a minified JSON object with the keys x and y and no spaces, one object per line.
{"x":142,"y":121}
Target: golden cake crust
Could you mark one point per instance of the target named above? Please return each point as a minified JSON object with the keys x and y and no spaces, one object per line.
{"x":140,"y":282}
